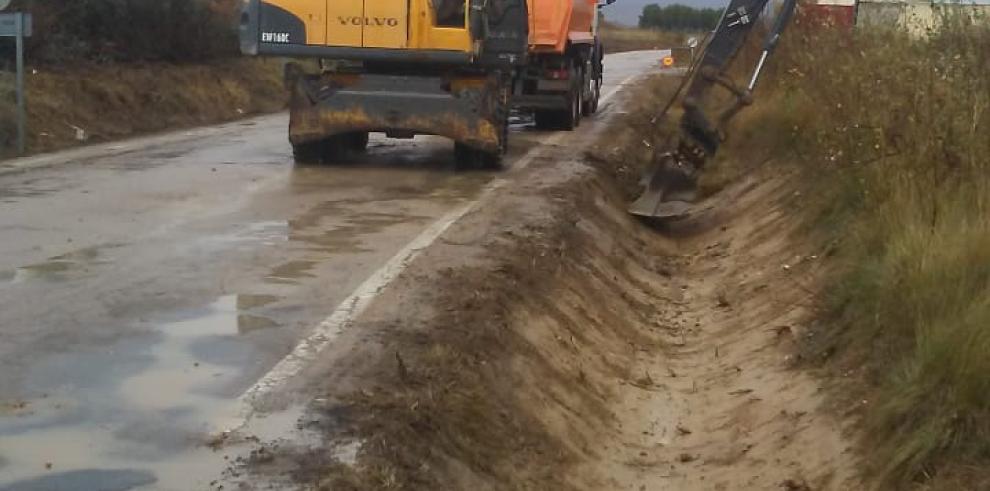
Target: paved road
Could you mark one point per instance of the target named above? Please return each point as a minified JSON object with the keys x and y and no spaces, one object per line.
{"x":145,"y":285}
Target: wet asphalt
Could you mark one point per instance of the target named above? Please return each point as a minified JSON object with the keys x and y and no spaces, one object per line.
{"x":144,"y":286}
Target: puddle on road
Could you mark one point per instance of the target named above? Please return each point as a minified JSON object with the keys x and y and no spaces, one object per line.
{"x":135,"y":410}
{"x":247,"y":302}
{"x":139,"y":410}
{"x":267,"y":233}
{"x":345,"y":226}
{"x":289,"y":273}
{"x":32,"y":188}
{"x":62,"y":267}
{"x":349,"y":236}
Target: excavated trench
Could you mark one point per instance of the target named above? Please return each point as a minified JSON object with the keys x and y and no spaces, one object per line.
{"x":550,"y":341}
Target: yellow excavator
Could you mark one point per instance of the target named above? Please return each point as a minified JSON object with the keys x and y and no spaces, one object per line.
{"x":456,"y":68}
{"x":400,"y":67}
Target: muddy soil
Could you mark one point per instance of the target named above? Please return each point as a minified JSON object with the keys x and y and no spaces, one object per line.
{"x":550,"y":341}
{"x":98,"y":103}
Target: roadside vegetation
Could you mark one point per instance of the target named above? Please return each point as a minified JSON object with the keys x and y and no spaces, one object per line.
{"x":100,"y":70}
{"x":679,"y":17}
{"x":886,"y":135}
{"x":891,"y":134}
{"x":617,"y":38}
{"x":128,"y":31}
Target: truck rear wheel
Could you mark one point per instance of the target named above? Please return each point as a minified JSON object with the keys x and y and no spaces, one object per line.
{"x":590,"y":106}
{"x":565,"y":120}
{"x":571,"y":119}
{"x":547,"y":120}
{"x":307,"y":153}
{"x":358,"y":141}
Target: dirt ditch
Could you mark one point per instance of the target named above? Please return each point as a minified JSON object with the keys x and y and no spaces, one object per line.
{"x":550,"y":341}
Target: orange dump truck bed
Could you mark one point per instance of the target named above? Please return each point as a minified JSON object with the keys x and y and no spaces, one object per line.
{"x":552,"y":23}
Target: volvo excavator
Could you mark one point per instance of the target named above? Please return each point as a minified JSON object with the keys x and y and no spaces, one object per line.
{"x":400,"y":67}
{"x":671,"y":184}
{"x":453,"y":68}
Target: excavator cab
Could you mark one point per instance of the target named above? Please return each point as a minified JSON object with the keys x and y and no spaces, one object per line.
{"x":450,"y":13}
{"x":439,"y":31}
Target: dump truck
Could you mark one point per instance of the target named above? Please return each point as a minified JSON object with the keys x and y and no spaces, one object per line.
{"x":562,"y":79}
{"x":453,"y":68}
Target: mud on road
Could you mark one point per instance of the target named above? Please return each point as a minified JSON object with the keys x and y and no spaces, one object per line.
{"x":549,"y":341}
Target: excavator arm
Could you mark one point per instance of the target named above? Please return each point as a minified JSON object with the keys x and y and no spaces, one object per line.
{"x":671,"y":184}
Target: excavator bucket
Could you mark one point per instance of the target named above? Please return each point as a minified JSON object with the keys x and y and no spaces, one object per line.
{"x":669,"y":191}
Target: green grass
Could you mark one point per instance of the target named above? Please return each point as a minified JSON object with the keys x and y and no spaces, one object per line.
{"x":894,"y":136}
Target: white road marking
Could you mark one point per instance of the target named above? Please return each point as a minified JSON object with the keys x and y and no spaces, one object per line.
{"x":353,"y":306}
{"x":617,"y":88}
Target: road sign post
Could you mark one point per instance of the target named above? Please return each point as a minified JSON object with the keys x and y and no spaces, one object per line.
{"x":18,"y":25}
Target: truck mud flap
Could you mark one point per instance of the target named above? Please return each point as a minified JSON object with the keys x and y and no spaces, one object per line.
{"x":471,"y":111}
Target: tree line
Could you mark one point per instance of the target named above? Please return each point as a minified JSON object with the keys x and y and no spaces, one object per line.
{"x":677,"y":17}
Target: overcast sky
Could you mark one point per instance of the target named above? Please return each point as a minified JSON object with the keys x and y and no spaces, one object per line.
{"x":627,"y":11}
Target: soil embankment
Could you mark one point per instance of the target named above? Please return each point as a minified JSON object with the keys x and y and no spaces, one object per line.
{"x":95,"y":103}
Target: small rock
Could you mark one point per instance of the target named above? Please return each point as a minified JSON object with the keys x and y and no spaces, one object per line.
{"x":723,"y":301}
{"x":795,"y":485}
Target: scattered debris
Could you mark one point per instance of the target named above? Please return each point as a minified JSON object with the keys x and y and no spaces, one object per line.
{"x":402,"y":370}
{"x":795,"y":485}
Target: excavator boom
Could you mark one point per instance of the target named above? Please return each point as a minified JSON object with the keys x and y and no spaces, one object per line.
{"x":671,"y":183}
